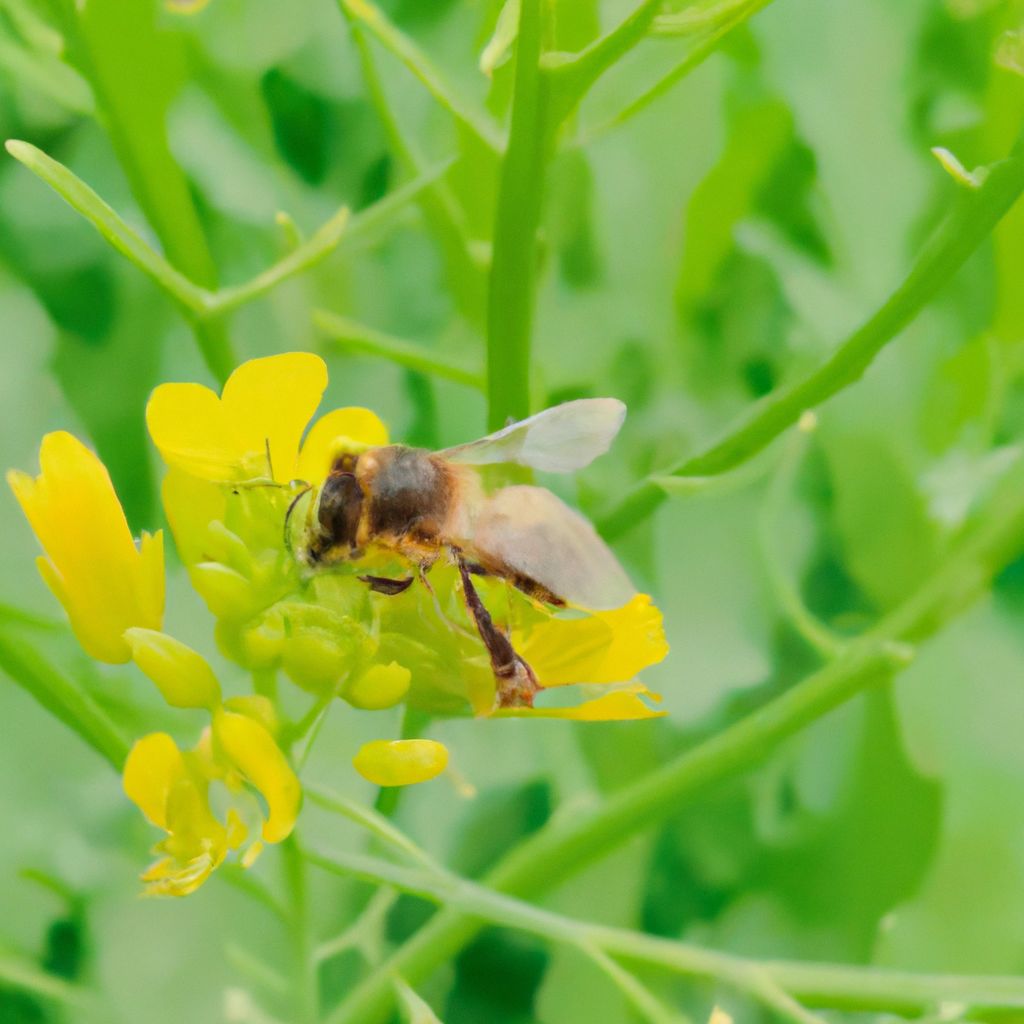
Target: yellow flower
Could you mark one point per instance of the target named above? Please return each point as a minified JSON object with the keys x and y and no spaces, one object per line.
{"x":253,"y":430}
{"x":105,"y":583}
{"x":373,"y":651}
{"x":622,"y":704}
{"x":604,"y":647}
{"x":237,"y":753}
{"x":174,"y":790}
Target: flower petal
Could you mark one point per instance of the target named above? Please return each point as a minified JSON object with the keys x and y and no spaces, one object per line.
{"x":400,"y":762}
{"x":605,"y":647}
{"x":352,"y":427}
{"x":191,"y":505}
{"x":193,"y":431}
{"x":153,"y":766}
{"x":93,"y":566}
{"x":269,"y":402}
{"x":622,"y":705}
{"x":252,"y":750}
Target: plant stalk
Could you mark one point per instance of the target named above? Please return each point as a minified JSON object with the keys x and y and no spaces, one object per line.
{"x":512,"y":289}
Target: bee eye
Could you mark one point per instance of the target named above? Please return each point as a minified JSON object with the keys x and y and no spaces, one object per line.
{"x":341,"y":504}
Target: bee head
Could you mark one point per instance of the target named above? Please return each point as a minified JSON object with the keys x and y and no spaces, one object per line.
{"x":339,"y":508}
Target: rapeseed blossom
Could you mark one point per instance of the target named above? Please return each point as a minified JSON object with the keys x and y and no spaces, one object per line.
{"x":244,"y":470}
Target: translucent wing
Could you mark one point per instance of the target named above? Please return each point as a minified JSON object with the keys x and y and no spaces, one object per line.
{"x":529,"y":531}
{"x":559,"y":440}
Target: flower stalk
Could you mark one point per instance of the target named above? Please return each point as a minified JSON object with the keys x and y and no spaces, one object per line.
{"x":513,"y":279}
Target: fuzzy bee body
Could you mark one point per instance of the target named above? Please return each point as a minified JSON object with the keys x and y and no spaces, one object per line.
{"x":406,"y":500}
{"x":419,"y":504}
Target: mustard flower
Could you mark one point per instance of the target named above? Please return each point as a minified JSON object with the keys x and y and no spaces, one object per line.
{"x":237,"y":755}
{"x":239,"y":465}
{"x":105,"y":581}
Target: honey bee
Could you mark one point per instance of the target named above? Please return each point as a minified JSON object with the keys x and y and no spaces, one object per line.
{"x":419,"y":505}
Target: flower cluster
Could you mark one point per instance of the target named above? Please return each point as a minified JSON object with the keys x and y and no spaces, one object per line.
{"x":243,"y":477}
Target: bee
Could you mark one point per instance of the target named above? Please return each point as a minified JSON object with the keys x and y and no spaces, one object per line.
{"x":419,"y":505}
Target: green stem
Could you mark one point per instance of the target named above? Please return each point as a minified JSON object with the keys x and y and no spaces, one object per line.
{"x":319,"y":245}
{"x":63,"y":699}
{"x":776,"y":983}
{"x":646,"y":1004}
{"x":305,"y":994}
{"x":569,"y":843}
{"x":573,"y":75}
{"x":353,"y":337}
{"x":786,"y":590}
{"x":696,"y":56}
{"x":511,"y":292}
{"x":134,"y":68}
{"x":399,"y":44}
{"x":976,"y":214}
{"x":440,"y":210}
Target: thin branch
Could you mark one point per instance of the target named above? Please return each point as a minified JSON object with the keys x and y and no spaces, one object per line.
{"x":353,"y":337}
{"x":372,"y":821}
{"x":693,"y":60}
{"x":572,"y":76}
{"x":399,"y":44}
{"x":109,"y":224}
{"x":977,"y":212}
{"x":646,"y":1004}
{"x":778,"y":983}
{"x":440,"y":211}
{"x":197,"y":302}
{"x":787,"y":593}
{"x":306,"y":255}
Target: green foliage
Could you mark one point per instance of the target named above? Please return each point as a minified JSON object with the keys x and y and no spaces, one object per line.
{"x":727,"y":214}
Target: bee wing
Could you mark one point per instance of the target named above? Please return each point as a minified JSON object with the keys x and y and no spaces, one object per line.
{"x":529,"y":530}
{"x":558,"y":440}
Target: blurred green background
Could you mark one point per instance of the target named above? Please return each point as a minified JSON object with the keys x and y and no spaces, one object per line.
{"x":712,"y":246}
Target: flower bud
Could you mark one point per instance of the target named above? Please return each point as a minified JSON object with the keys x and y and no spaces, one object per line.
{"x":228,"y":594}
{"x":261,"y":643}
{"x":380,"y":686}
{"x":400,"y":762}
{"x":316,"y":659}
{"x":181,"y":674}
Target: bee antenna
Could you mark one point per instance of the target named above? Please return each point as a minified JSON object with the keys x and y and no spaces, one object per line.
{"x":291,"y":508}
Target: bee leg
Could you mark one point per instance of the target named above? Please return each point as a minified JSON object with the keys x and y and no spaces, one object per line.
{"x":386,"y":585}
{"x":517,"y":685}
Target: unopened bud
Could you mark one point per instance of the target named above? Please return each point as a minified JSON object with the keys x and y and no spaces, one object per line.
{"x":380,"y":686}
{"x":181,"y":674}
{"x":228,"y":594}
{"x":400,"y":762}
{"x":315,"y":659}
